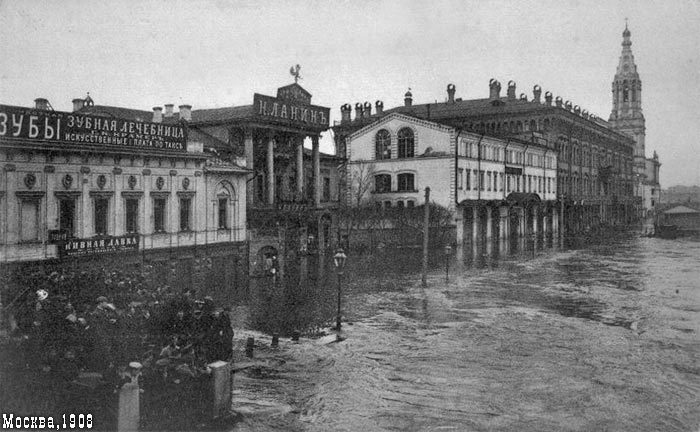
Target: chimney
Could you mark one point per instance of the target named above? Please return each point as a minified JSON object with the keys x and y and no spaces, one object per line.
{"x":345,"y":111}
{"x":367,"y":110}
{"x":185,"y":112}
{"x":358,"y":111}
{"x":568,"y":105}
{"x":451,"y":93}
{"x":585,"y":114}
{"x":523,"y":97}
{"x":558,"y":101}
{"x":78,"y":104}
{"x":408,"y":98}
{"x":511,"y":89}
{"x":577,"y":110}
{"x":548,"y":98}
{"x":157,"y":114}
{"x":494,"y":89}
{"x":168,"y":110}
{"x":379,"y":105}
{"x":41,"y":104}
{"x":536,"y":92}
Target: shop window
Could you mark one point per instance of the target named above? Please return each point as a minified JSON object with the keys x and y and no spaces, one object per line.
{"x":382,"y":145}
{"x":66,"y":216}
{"x":101,"y":215}
{"x":223,"y":213}
{"x":185,"y":214}
{"x":406,"y":183}
{"x":29,"y":220}
{"x":132,"y":215}
{"x":382,"y":183}
{"x":159,"y":215}
{"x":406,"y":143}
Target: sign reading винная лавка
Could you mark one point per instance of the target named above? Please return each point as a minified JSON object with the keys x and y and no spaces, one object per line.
{"x":74,"y":247}
{"x":18,"y":124}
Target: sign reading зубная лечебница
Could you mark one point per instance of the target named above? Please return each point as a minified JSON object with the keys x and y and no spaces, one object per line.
{"x":18,"y":124}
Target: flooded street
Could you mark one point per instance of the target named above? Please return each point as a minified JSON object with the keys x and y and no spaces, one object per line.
{"x":602,"y":337}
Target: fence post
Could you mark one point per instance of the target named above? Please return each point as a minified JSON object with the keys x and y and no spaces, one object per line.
{"x":128,"y":417}
{"x":221,"y":387}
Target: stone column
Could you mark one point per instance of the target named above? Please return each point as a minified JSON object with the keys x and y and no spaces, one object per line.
{"x":475,"y":224}
{"x":555,"y":220}
{"x":300,"y":167}
{"x":128,"y":409}
{"x":270,"y":171}
{"x":459,"y":226}
{"x":249,"y":163}
{"x":535,"y":221}
{"x":220,"y":387}
{"x":489,"y":223}
{"x":317,"y":170}
{"x":522,"y":221}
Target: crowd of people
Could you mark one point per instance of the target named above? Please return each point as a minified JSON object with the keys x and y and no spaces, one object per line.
{"x":173,"y":335}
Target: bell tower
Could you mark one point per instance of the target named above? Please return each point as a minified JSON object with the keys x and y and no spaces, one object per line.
{"x":626,"y":115}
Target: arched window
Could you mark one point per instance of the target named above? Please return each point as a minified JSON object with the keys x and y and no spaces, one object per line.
{"x":546,"y":124}
{"x":382,"y":183}
{"x":225,"y":204}
{"x":406,"y":183}
{"x":382,"y":145}
{"x":519,"y":126}
{"x":406,"y":143}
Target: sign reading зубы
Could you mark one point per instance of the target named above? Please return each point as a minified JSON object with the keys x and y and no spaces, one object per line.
{"x":74,"y":247}
{"x":30,"y":125}
{"x":290,"y":112}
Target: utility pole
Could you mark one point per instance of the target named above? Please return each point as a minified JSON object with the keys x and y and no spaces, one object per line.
{"x":426,"y":229}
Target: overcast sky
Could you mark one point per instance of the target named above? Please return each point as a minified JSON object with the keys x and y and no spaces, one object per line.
{"x":213,"y":53}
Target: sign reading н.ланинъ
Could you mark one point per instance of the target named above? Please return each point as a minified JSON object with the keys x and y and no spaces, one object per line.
{"x":290,"y":112}
{"x":73,"y":247}
{"x":20,"y":124}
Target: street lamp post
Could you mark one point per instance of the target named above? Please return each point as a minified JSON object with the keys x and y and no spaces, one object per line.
{"x":339,"y":261}
{"x":448,"y":251}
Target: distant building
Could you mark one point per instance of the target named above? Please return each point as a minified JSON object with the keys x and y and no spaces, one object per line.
{"x":493,"y":187}
{"x":594,"y":162}
{"x":685,"y":219}
{"x":97,"y":188}
{"x":627,"y":117}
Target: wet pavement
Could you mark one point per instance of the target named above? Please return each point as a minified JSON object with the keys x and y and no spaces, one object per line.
{"x":598,"y":337}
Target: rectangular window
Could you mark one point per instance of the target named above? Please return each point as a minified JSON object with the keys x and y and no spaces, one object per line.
{"x":399,"y":204}
{"x":66,"y":216}
{"x":132,"y":215}
{"x":406,"y":182}
{"x":468,"y":177}
{"x":387,"y":204}
{"x":101,"y":212}
{"x":508,"y":183}
{"x":482,"y":184}
{"x":488,"y":181}
{"x":185,"y":209}
{"x":29,"y":221}
{"x":410,"y":204}
{"x":223,"y":213}
{"x":326,"y":189}
{"x":501,"y":182}
{"x":460,"y":179}
{"x":159,"y":215}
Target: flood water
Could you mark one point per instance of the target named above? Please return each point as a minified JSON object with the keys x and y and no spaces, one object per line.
{"x":591,"y":337}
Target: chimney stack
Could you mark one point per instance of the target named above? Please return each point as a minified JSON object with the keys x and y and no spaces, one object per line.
{"x":168,"y":110}
{"x":379,"y":105}
{"x":157,"y":114}
{"x":41,"y":104}
{"x":585,"y":114}
{"x":367,"y":110}
{"x":558,"y":101}
{"x":358,"y":111}
{"x":185,"y":112}
{"x":494,"y":89}
{"x":408,"y":98}
{"x":78,"y":104}
{"x":451,"y":93}
{"x":568,"y":105}
{"x":536,"y":92}
{"x":511,"y":89}
{"x":345,"y":111}
{"x":548,"y":98}
{"x":577,"y":110}
{"x":523,"y":97}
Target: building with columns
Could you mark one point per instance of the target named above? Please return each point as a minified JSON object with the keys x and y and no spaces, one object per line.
{"x":494,"y":188}
{"x":594,"y":161}
{"x":627,"y":117}
{"x":102,"y":186}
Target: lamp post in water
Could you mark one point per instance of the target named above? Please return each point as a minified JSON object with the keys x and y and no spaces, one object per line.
{"x":448,"y":252}
{"x":339,"y":261}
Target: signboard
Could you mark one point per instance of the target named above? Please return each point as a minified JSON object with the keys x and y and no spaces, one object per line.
{"x":57,"y":236}
{"x":78,"y":247}
{"x":56,"y":127}
{"x":514,"y":170}
{"x":290,"y":112}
